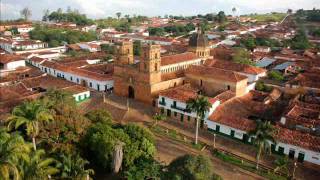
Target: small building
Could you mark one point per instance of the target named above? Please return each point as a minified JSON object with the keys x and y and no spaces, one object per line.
{"x":79,"y":93}
{"x":286,"y":67}
{"x":262,"y":49}
{"x":265,"y":62}
{"x":9,"y":62}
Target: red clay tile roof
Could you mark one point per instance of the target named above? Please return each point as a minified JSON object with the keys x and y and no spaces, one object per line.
{"x":178,"y":58}
{"x":180,"y":93}
{"x":228,"y":65}
{"x":6,"y":58}
{"x":298,"y":138}
{"x":216,"y":73}
{"x":76,"y":89}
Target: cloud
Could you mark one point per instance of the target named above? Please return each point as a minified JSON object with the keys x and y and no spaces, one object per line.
{"x":103,"y":8}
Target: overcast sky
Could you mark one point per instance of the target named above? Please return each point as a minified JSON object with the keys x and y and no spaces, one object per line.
{"x":104,"y":8}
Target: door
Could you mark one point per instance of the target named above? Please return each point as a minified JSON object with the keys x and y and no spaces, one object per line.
{"x":273,"y":148}
{"x":291,"y":153}
{"x":168,"y":112}
{"x":245,"y":138}
{"x":281,"y":150}
{"x":232,"y":133}
{"x":217,"y":128}
{"x":301,"y":157}
{"x":181,"y":117}
{"x":131,"y":92}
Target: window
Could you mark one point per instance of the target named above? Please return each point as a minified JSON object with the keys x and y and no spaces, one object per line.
{"x":174,"y":103}
{"x":98,"y":87}
{"x":228,"y":87}
{"x":189,"y":118}
{"x":156,"y":67}
{"x":200,"y":82}
{"x":168,"y":112}
{"x":90,"y":84}
{"x":175,"y":114}
{"x":70,"y":78}
{"x":77,"y":80}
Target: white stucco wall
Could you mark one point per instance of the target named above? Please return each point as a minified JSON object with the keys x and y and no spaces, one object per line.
{"x":14,"y":64}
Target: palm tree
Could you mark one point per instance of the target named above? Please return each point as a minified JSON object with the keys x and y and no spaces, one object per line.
{"x":12,"y":150}
{"x":262,"y":137}
{"x":158,"y":117}
{"x":200,"y":105}
{"x":29,"y":114}
{"x":38,"y":167}
{"x":72,"y":166}
{"x":118,"y":14}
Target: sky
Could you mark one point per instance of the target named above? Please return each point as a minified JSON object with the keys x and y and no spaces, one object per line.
{"x":10,"y":9}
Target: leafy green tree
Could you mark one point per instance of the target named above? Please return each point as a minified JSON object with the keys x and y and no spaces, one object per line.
{"x":300,"y":41}
{"x":99,"y":115}
{"x":200,"y":105}
{"x":281,"y":164}
{"x":158,"y":117}
{"x":107,"y":48}
{"x":101,"y":139}
{"x":29,"y":115}
{"x":262,"y":137}
{"x":13,"y":149}
{"x":242,"y":56}
{"x":144,"y":168}
{"x":190,"y":167}
{"x":58,"y":100}
{"x":275,"y":75}
{"x":38,"y":166}
{"x":221,"y":17}
{"x":249,"y":43}
{"x":156,"y":31}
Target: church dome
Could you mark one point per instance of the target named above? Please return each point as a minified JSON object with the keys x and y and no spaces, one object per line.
{"x":198,"y":40}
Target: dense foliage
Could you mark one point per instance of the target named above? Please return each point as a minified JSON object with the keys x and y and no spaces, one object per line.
{"x":175,"y":30}
{"x":251,"y":42}
{"x":300,"y":41}
{"x":58,"y":37}
{"x":275,"y":75}
{"x":309,"y":15}
{"x":69,"y":16}
{"x":191,"y":167}
{"x":242,"y":56}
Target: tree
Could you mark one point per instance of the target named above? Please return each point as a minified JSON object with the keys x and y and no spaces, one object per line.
{"x":281,"y":164}
{"x":262,"y":137}
{"x":101,"y":139}
{"x":25,"y":13}
{"x":29,"y":115}
{"x":13,"y":150}
{"x":289,"y":11}
{"x":200,"y":105}
{"x":38,"y":166}
{"x":275,"y":75}
{"x":300,"y":41}
{"x":249,"y":43}
{"x":221,"y":17}
{"x":46,"y":14}
{"x":99,"y":115}
{"x":144,"y":168}
{"x":242,"y":56}
{"x":158,"y":117}
{"x":190,"y":167}
{"x":118,"y":14}
{"x":72,"y":166}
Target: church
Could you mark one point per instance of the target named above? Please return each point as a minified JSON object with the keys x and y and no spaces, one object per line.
{"x":144,"y":78}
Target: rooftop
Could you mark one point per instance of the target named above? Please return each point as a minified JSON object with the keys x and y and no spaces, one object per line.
{"x":216,"y":73}
{"x":229,"y":65}
{"x":178,"y":58}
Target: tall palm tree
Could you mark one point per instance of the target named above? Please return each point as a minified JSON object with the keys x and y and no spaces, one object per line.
{"x":12,"y":150}
{"x":118,"y":14}
{"x":282,"y":164}
{"x":29,"y":114}
{"x":262,"y":137}
{"x":200,"y":105}
{"x":38,"y":166}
